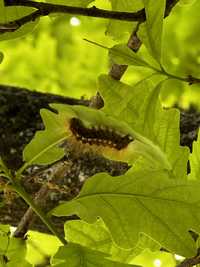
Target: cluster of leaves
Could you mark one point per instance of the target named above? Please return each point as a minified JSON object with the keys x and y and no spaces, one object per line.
{"x":121,"y":216}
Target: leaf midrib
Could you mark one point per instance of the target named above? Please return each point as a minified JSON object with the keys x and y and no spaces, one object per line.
{"x":134,"y":196}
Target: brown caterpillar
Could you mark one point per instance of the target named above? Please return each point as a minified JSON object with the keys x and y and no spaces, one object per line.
{"x":99,"y":136}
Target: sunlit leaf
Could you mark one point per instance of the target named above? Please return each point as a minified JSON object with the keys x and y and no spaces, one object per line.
{"x":195,"y":160}
{"x":1,"y":57}
{"x":12,"y":250}
{"x":122,"y":29}
{"x":44,"y":147}
{"x":96,"y":236}
{"x":140,"y":146}
{"x":128,"y":208}
{"x":154,"y":24}
{"x":140,"y":107}
{"x":3,"y":168}
{"x":74,"y":255}
{"x":186,"y":2}
{"x":121,"y":54}
{"x":81,"y":3}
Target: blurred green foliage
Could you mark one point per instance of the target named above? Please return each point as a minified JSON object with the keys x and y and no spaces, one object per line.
{"x":55,"y":58}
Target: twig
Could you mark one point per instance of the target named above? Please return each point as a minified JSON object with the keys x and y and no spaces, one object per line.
{"x":28,"y":218}
{"x":44,"y":9}
{"x":192,"y":80}
{"x":190,"y":262}
{"x":169,"y":6}
{"x":56,"y":170}
{"x":189,"y":79}
{"x":96,"y":101}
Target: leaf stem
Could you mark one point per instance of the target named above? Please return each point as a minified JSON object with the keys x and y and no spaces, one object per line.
{"x":190,"y":79}
{"x":21,"y":192}
{"x":95,"y":43}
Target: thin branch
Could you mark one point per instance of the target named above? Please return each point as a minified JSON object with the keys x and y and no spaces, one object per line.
{"x":190,"y":262}
{"x":26,"y":197}
{"x":169,"y":6}
{"x":96,"y":101}
{"x":189,"y":79}
{"x":44,"y":9}
{"x":55,"y":171}
{"x":47,"y":8}
{"x":192,"y":80}
{"x":28,"y":218}
{"x":16,"y":24}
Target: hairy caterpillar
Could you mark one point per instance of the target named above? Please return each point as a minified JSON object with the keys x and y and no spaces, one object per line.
{"x":99,"y":135}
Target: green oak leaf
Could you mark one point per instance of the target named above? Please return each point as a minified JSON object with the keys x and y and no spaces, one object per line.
{"x":1,"y":57}
{"x":74,"y":255}
{"x":44,"y":147}
{"x":186,"y":2}
{"x":195,"y":160}
{"x":121,"y":29}
{"x":141,"y":202}
{"x":3,"y":168}
{"x":97,"y":236}
{"x":4,"y":238}
{"x":20,"y":263}
{"x":81,"y":3}
{"x":10,"y":14}
{"x":140,"y":146}
{"x":162,"y":127}
{"x":122,"y":54}
{"x":144,"y":113}
{"x":148,"y":124}
{"x":12,"y":250}
{"x":1,"y":165}
{"x":154,"y":26}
